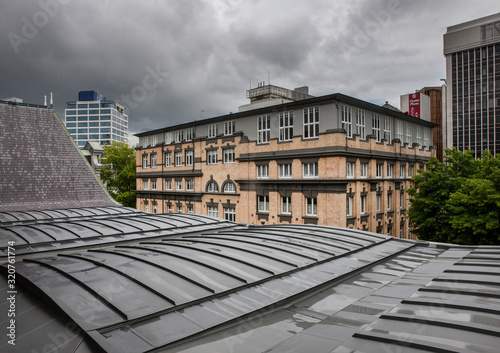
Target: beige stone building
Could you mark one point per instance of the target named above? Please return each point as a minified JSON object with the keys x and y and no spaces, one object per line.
{"x":288,"y":157}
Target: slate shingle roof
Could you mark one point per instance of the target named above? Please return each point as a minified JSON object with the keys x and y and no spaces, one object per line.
{"x":40,"y":167}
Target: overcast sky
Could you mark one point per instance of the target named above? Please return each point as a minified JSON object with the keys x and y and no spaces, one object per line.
{"x":171,"y":61}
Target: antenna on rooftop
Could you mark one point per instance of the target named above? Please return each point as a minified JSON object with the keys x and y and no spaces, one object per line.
{"x":51,"y":100}
{"x":45,"y":100}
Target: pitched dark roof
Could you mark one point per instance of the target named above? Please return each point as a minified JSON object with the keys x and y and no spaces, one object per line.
{"x":40,"y":167}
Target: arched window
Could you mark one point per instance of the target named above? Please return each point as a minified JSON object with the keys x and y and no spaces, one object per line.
{"x":212,"y":186}
{"x":229,"y":187}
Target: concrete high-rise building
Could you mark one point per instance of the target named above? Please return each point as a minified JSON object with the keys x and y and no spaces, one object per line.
{"x":472,"y":51}
{"x":94,"y":118}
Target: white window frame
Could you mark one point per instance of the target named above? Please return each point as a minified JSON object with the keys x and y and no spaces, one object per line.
{"x":401,"y":199}
{"x":390,"y":169}
{"x":360,"y":124}
{"x":230,"y":214}
{"x":153,"y":160}
{"x":155,"y":207}
{"x":362,"y":204}
{"x":410,"y":171}
{"x":144,"y":161}
{"x":285,"y":171}
{"x":212,"y":130}
{"x":189,"y":185}
{"x":379,"y":202}
{"x":178,"y":158}
{"x":408,"y":134}
{"x":154,"y":140}
{"x":189,"y":157}
{"x":310,"y":170}
{"x":286,"y":126}
{"x":349,"y":166}
{"x":263,"y":129}
{"x":146,"y":207}
{"x":228,"y":155}
{"x":229,"y":128}
{"x":168,"y":159}
{"x":178,"y":136}
{"x":387,"y":130}
{"x":169,"y":138}
{"x":263,"y":171}
{"x":153,"y":184}
{"x":376,"y":127}
{"x":211,"y":157}
{"x":399,"y":130}
{"x":189,"y":134}
{"x":213,"y":211}
{"x":168,"y":184}
{"x":311,"y":206}
{"x":419,"y":136}
{"x":190,"y":210}
{"x":178,"y":185}
{"x":229,"y":188}
{"x":426,"y":138}
{"x":380,"y":170}
{"x":263,"y":203}
{"x":179,"y":209}
{"x":212,"y":187}
{"x":286,"y":205}
{"x":311,"y":123}
{"x":347,"y":120}
{"x":349,"y":206}
{"x":389,"y":197}
{"x":145,"y":184}
{"x":402,"y":171}
{"x":363,"y":170}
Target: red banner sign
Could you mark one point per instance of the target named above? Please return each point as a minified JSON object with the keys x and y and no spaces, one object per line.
{"x":414,"y":105}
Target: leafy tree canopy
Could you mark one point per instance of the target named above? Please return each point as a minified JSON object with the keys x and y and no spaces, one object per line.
{"x":457,"y":201}
{"x":118,"y":172}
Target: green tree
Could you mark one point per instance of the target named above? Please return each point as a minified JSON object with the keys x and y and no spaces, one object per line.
{"x":118,"y":172}
{"x":457,"y":201}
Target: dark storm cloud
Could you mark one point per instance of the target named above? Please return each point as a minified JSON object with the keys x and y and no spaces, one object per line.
{"x":173,"y":61}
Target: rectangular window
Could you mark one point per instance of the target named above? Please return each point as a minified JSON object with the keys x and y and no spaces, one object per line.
{"x":212,"y":130}
{"x":426,"y":138}
{"x":286,"y":126}
{"x":285,"y":171}
{"x":178,"y":159}
{"x":387,"y":130}
{"x":362,"y":205}
{"x":228,"y":128}
{"x":153,"y":160}
{"x":347,"y":120}
{"x":212,"y":157}
{"x":399,"y":130}
{"x":168,"y":184}
{"x":311,"y":206}
{"x":178,"y":185}
{"x":144,"y":161}
{"x":146,"y":207}
{"x":168,"y":159}
{"x":410,"y":171}
{"x":153,"y":184}
{"x":169,"y":138}
{"x":419,"y":135}
{"x":145,"y":184}
{"x":228,"y":155}
{"x":188,"y":156}
{"x":389,"y":196}
{"x":408,"y":134}
{"x":363,"y":170}
{"x":376,"y":127}
{"x":310,"y":170}
{"x":360,"y":123}
{"x":154,"y":139}
{"x":179,"y":209}
{"x":190,"y":209}
{"x":286,"y":205}
{"x":379,"y":202}
{"x":263,"y":171}
{"x":380,"y":170}
{"x":155,"y":208}
{"x":263,"y":129}
{"x":402,"y":171}
{"x":349,"y":206}
{"x":263,"y":203}
{"x":170,"y":209}
{"x":402,"y":199}
{"x":350,"y":170}
{"x":178,"y":136}
{"x":389,"y":170}
{"x":190,"y":185}
{"x":189,"y":134}
{"x":230,"y":214}
{"x":213,"y":211}
{"x":311,"y":122}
